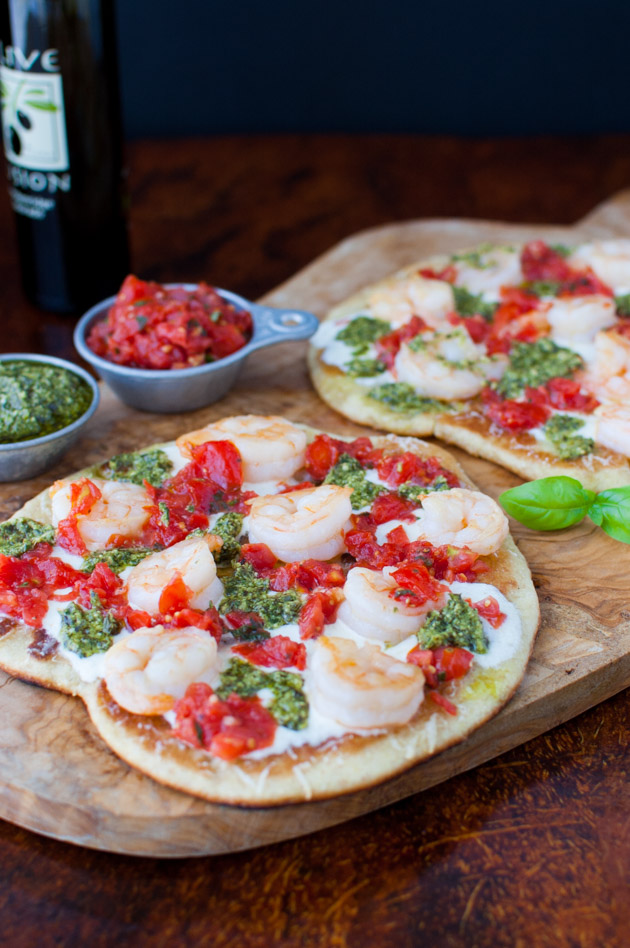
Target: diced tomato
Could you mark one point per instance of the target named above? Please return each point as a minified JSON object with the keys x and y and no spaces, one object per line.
{"x":259,"y":556}
{"x":584,"y":283}
{"x":323,"y":453}
{"x":289,"y":488}
{"x":423,"y":658}
{"x":228,"y":728}
{"x":83,"y":495}
{"x":242,"y":622}
{"x":476,"y":326}
{"x":279,"y":651}
{"x":363,"y":546}
{"x":451,"y":662}
{"x":398,"y":537}
{"x":490,"y":610}
{"x":397,"y":469}
{"x":415,"y":584}
{"x":28,"y":581}
{"x":443,"y":702}
{"x":389,"y":506}
{"x":387,"y":346}
{"x":306,"y":575}
{"x":175,"y":595}
{"x":220,"y":462}
{"x":566,"y":395}
{"x":207,"y":620}
{"x":318,"y":611}
{"x":104,"y":582}
{"x":449,"y":274}
{"x":513,"y":415}
{"x":540,"y":262}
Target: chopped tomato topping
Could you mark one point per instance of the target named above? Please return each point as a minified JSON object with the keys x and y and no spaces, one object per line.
{"x":451,"y":662}
{"x":175,"y":595}
{"x":323,"y":453}
{"x":392,"y":507}
{"x":540,"y":262}
{"x":220,"y":462}
{"x":397,"y":469}
{"x":83,"y":495}
{"x":318,"y":611}
{"x":566,"y":395}
{"x":513,"y":415}
{"x":477,"y":327}
{"x":157,"y":327}
{"x":279,"y":651}
{"x":306,"y":575}
{"x":387,"y":346}
{"x":423,"y":658}
{"x":416,"y":586}
{"x":229,"y":728}
{"x":490,"y":610}
{"x":449,"y":274}
{"x":443,"y":702}
{"x":27,"y":582}
{"x":259,"y":556}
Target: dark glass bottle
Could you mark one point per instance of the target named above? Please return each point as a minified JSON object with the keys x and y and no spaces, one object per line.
{"x":62,"y":141}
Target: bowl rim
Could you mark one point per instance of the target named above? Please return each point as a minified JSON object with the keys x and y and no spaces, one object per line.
{"x":67,"y":429}
{"x":99,"y":311}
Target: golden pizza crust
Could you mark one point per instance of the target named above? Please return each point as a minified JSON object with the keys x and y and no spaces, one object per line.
{"x":519,"y":453}
{"x":341,"y":765}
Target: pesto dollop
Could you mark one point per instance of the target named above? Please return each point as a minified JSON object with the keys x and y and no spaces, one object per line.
{"x":361,"y":332}
{"x":458,"y":623}
{"x":246,"y":592}
{"x":400,"y":396}
{"x":534,"y":363}
{"x":136,"y":467}
{"x":470,"y":304}
{"x":414,"y":492}
{"x":117,"y":559}
{"x":347,"y":472}
{"x":228,"y":527}
{"x":88,"y":631}
{"x":289,"y":705}
{"x":23,"y":534}
{"x":37,"y":399}
{"x":560,"y":430}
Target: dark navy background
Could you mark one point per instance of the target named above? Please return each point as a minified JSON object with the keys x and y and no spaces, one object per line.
{"x":467,"y":68}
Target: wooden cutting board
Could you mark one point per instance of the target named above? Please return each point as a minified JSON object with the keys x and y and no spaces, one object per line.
{"x":58,"y":778}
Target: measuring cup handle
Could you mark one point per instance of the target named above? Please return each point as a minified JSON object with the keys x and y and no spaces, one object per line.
{"x":274,"y":325}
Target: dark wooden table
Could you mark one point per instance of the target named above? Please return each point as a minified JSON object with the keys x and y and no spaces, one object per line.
{"x":531,"y":849}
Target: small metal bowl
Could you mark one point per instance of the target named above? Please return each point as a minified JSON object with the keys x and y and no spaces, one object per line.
{"x":23,"y":459}
{"x":178,"y":390}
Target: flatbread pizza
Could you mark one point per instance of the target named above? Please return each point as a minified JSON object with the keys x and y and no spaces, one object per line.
{"x":259,"y":613}
{"x":518,"y":354}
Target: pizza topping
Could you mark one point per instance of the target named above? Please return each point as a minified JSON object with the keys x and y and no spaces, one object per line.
{"x":533,"y":364}
{"x":361,"y":331}
{"x":153,"y":466}
{"x":490,"y":610}
{"x":289,"y":706}
{"x":229,"y":528}
{"x":93,"y":514}
{"x":387,"y":346}
{"x":391,"y":605}
{"x":402,"y":397}
{"x":278,"y":651}
{"x":348,"y":472}
{"x":458,"y":623}
{"x":361,"y":687}
{"x":319,"y":609}
{"x":147,"y":671}
{"x":469,"y":304}
{"x":88,"y":631}
{"x":303,"y":523}
{"x":446,"y":365}
{"x":151,"y":326}
{"x":514,"y":415}
{"x":268,"y":447}
{"x":244,"y":591}
{"x":183,"y":575}
{"x":37,"y":399}
{"x":560,"y":430}
{"x":227,"y":728}
{"x":117,"y":559}
{"x":22,"y":534}
{"x":462,"y":518}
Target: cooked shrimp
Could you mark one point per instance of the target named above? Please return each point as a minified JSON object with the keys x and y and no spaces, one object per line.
{"x":579,"y":318}
{"x":461,"y":517}
{"x":302,"y":524}
{"x":363,"y":687}
{"x":612,"y":421}
{"x":189,"y":561}
{"x":413,"y":296}
{"x":147,"y":671}
{"x":499,"y":266}
{"x":369,"y":610}
{"x":120,"y":511}
{"x":271,"y":447}
{"x":446,"y":365}
{"x":610,"y":259}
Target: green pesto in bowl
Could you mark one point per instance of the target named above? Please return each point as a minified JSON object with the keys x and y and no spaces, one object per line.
{"x":37,"y":398}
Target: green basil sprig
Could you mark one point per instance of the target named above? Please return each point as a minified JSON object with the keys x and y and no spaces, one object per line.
{"x":552,"y":503}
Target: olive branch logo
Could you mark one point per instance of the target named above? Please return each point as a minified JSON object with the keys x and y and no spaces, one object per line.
{"x":25,"y":94}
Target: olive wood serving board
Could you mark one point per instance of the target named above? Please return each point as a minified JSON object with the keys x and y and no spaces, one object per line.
{"x":56,"y":775}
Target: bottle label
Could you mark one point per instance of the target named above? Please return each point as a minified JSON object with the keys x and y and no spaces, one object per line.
{"x":35,"y":142}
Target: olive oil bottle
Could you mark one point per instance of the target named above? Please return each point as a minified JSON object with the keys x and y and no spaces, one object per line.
{"x":62,"y":142}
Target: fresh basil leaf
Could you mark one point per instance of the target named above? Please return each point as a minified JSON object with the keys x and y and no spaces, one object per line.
{"x":611,"y":511}
{"x":549,"y":503}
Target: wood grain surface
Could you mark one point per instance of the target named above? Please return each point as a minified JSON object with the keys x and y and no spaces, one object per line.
{"x":58,"y":777}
